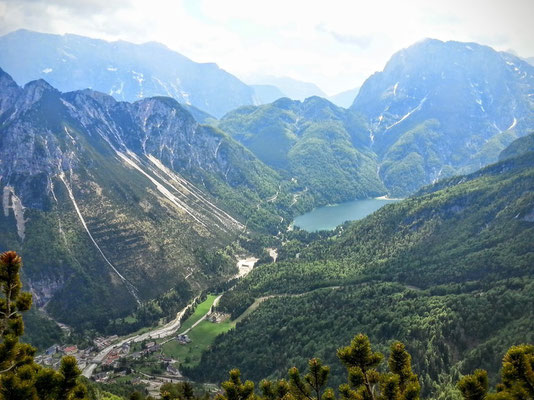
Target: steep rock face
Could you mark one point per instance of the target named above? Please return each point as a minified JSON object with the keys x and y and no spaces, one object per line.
{"x":124,"y":70}
{"x":442,"y":108}
{"x":324,"y":147}
{"x":10,"y":90}
{"x":112,"y":199}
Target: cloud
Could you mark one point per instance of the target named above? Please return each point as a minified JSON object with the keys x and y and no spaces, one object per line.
{"x":335,"y":44}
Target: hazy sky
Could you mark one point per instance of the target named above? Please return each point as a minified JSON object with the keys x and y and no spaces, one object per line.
{"x":333,"y":43}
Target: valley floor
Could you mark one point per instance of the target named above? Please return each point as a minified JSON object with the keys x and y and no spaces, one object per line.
{"x":180,"y":342}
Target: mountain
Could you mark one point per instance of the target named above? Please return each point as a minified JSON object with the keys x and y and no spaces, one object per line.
{"x":124,"y":70}
{"x":292,"y":88}
{"x":112,"y":203}
{"x":264,"y":94}
{"x":449,"y":272}
{"x":409,"y":125}
{"x":518,"y":147}
{"x":345,"y":98}
{"x":200,"y":116}
{"x":325,"y":148}
{"x":441,"y":108}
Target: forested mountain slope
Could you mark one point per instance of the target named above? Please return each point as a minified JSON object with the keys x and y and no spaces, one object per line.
{"x":444,"y":108}
{"x":449,"y":272}
{"x":127,"y":71}
{"x":436,"y":110}
{"x":109,"y":202}
{"x":518,"y":147}
{"x":324,"y":147}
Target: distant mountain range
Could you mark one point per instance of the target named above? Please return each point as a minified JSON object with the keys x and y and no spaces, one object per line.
{"x":124,"y":70}
{"x":264,"y":94}
{"x":129,"y":72}
{"x":345,"y":98}
{"x":291,"y":88}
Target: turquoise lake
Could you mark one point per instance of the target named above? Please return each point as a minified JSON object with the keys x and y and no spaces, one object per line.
{"x":328,"y":217}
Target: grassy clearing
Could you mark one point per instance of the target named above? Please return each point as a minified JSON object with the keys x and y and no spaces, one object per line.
{"x":202,"y":309}
{"x":202,"y":336}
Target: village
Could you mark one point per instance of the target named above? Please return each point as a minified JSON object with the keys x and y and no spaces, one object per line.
{"x":119,"y":361}
{"x":150,"y":362}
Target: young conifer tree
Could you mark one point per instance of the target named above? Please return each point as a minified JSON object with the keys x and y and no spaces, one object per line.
{"x":366,"y":383}
{"x":20,"y":377}
{"x":517,"y":378}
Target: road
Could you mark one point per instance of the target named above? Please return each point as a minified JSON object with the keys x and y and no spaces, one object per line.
{"x":215,"y":302}
{"x":244,"y":265}
{"x":163,"y":331}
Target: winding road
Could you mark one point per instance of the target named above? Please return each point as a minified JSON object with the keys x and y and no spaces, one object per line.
{"x":244,"y":266}
{"x":163,"y":331}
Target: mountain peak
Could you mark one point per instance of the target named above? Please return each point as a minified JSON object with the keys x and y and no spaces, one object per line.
{"x":5,"y":78}
{"x":98,"y":96}
{"x":454,"y":104}
{"x":166,"y":104}
{"x":34,"y":90}
{"x":38,"y":84}
{"x":318,"y":100}
{"x":285,"y":103}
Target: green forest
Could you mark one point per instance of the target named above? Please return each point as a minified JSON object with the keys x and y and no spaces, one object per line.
{"x":447,"y":271}
{"x":367,"y":377}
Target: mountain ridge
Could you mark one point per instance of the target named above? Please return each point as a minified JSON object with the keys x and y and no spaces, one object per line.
{"x":437,"y":109}
{"x":440,"y":108}
{"x":325,"y":148}
{"x":125,"y":70}
{"x":92,"y":187}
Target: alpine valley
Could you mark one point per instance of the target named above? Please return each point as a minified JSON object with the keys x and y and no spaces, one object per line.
{"x":151,"y":199}
{"x":110,"y":203}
